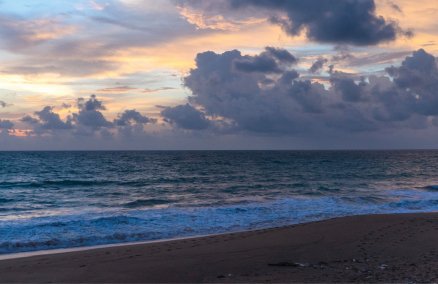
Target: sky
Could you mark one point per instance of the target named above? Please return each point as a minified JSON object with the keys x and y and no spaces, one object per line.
{"x":223,"y":74}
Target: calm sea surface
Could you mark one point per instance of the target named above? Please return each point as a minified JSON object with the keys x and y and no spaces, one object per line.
{"x":69,"y":199}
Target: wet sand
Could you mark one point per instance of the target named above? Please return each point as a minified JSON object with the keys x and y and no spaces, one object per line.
{"x":376,"y":248}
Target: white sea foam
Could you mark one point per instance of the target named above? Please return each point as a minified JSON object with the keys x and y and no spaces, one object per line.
{"x":99,"y":228}
{"x":77,"y":199}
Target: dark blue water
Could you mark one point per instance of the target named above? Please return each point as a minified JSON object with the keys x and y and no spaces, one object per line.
{"x":70,"y":199}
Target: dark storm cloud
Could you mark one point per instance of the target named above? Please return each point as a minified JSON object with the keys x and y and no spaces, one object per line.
{"x":418,"y":76}
{"x":6,"y":124}
{"x":47,"y":120}
{"x":87,"y":121}
{"x":186,"y":117}
{"x":129,"y":117}
{"x":30,"y":120}
{"x":350,"y":90}
{"x":318,"y":65}
{"x":282,"y":103}
{"x":131,"y":122}
{"x":246,"y":99}
{"x":333,"y":21}
{"x":282,"y":55}
{"x":269,"y":61}
{"x":418,"y":70}
{"x":89,"y":114}
{"x":260,"y":63}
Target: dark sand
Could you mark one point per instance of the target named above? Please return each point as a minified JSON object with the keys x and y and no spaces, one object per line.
{"x":380,"y":248}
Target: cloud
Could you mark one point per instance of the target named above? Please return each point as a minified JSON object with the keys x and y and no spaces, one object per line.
{"x":282,"y":103}
{"x":3,"y":104}
{"x":317,"y":65}
{"x":268,"y":61}
{"x":333,"y":21}
{"x":46,"y":119}
{"x":130,"y":117}
{"x":89,"y":120}
{"x":89,"y":114}
{"x":126,"y":89}
{"x":118,"y":89}
{"x":253,"y":101}
{"x":77,"y":67}
{"x":131,"y":123}
{"x":205,"y":15}
{"x":148,"y":90}
{"x":6,"y":124}
{"x":272,"y":99}
{"x":75,"y":42}
{"x":417,"y":79}
{"x":21,"y":33}
{"x":348,"y":88}
{"x":395,"y":7}
{"x":186,"y":117}
{"x":373,"y":59}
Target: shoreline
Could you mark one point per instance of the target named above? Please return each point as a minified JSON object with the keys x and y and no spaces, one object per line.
{"x":27,"y":254}
{"x":365,"y":248}
{"x":18,"y":255}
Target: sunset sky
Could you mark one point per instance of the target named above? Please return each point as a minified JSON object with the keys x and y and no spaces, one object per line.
{"x":225,"y":74}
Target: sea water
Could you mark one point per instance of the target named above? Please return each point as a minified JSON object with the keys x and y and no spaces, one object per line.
{"x":52,"y":200}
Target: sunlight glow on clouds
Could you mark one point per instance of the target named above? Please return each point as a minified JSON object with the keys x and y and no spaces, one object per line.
{"x":140,"y":54}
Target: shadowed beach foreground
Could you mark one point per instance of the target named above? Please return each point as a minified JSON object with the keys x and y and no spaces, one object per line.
{"x":377,"y":248}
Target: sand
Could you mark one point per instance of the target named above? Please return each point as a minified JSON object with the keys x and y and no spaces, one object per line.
{"x":376,"y":248}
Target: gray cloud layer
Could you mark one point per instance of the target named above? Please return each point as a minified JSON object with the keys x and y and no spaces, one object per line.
{"x":6,"y":124}
{"x":79,"y":42}
{"x":186,"y":117}
{"x":333,"y":21}
{"x":89,"y":120}
{"x":267,"y":96}
{"x":318,"y":65}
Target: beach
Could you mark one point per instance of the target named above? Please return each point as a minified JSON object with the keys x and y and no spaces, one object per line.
{"x":226,"y":141}
{"x":370,"y":248}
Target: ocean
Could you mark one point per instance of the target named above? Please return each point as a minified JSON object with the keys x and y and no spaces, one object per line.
{"x":52,"y":200}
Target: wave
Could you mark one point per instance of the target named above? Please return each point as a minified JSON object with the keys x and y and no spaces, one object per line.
{"x":137,"y":224}
{"x":6,"y":200}
{"x":139,"y":182}
{"x":430,"y":187}
{"x":92,"y":183}
{"x":61,"y":183}
{"x":146,"y":203}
